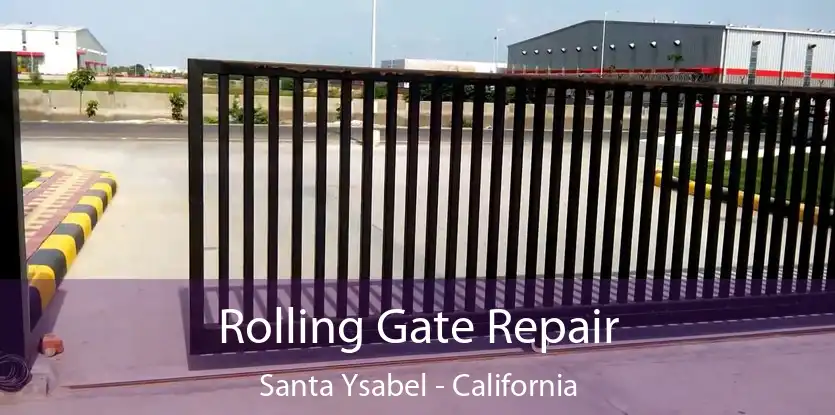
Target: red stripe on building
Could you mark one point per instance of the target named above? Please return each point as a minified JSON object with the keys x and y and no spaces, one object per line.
{"x":30,"y":54}
{"x":760,"y":73}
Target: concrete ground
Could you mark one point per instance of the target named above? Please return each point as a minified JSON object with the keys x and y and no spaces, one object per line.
{"x":153,"y":176}
{"x":143,"y":241}
{"x":704,"y":377}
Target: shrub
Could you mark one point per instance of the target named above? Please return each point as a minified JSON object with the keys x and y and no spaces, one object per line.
{"x":36,"y":79}
{"x":236,"y":113}
{"x":178,"y":102}
{"x":92,"y":108}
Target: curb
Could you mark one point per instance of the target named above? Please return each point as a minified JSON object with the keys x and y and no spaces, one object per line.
{"x":740,"y":195}
{"x":49,"y":264}
{"x":38,"y":181}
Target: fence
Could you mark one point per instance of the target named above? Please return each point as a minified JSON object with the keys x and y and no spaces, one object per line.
{"x":536,"y":222}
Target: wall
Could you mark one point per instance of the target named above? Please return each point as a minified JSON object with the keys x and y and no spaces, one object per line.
{"x":57,"y":58}
{"x":701,"y":46}
{"x":771,"y":53}
{"x":95,"y":55}
{"x":64,"y":105}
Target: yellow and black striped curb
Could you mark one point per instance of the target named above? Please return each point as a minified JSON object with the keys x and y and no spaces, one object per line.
{"x":691,"y":189}
{"x":49,"y":264}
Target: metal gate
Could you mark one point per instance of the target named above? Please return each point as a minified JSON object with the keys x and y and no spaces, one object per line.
{"x":471,"y":213}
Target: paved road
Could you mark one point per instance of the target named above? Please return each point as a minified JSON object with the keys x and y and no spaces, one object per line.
{"x":89,"y":130}
{"x":153,"y":198}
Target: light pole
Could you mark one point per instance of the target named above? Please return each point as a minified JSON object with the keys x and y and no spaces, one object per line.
{"x":549,"y":51}
{"x":496,"y":50}
{"x":375,"y":138}
{"x":603,"y":41}
{"x":373,"y":33}
{"x":562,"y":50}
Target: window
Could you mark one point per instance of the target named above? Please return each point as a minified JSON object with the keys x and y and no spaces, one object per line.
{"x":752,"y":63}
{"x":56,"y":38}
{"x":23,"y":37}
{"x":807,"y":68}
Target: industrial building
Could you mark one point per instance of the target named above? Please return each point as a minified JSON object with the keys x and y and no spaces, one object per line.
{"x":440,"y":65}
{"x":53,"y":50}
{"x":709,"y":52}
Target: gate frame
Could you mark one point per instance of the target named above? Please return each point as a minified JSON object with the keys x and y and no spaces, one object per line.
{"x":205,"y":338}
{"x":16,"y":337}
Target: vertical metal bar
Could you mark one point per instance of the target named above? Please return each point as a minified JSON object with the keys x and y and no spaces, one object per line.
{"x":388,"y":195}
{"x":321,"y":197}
{"x":740,"y":121}
{"x":537,"y":145}
{"x":595,"y":156}
{"x":554,"y":182}
{"x":824,"y":217}
{"x":514,"y":203}
{"x":15,"y":324}
{"x":765,"y":207}
{"x":297,"y":187}
{"x":659,"y":272}
{"x":699,"y":193}
{"x":779,"y":206}
{"x":648,"y":189}
{"x":454,"y":195}
{"x":223,"y":192}
{"x":196,"y":266}
{"x":412,"y":131}
{"x":629,"y":185}
{"x":682,"y":194}
{"x":796,"y":188}
{"x":366,"y":196}
{"x":249,"y":198}
{"x":811,"y":199}
{"x":496,"y":162}
{"x":344,"y":213}
{"x":272,"y":197}
{"x":432,"y":196}
{"x":474,"y":197}
{"x":717,"y":195}
{"x":610,"y":209}
{"x":752,"y":167}
{"x":574,"y":180}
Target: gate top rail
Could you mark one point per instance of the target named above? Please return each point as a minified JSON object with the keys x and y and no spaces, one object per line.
{"x":290,"y":70}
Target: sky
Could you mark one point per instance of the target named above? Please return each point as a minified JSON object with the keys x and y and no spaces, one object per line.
{"x":338,"y":32}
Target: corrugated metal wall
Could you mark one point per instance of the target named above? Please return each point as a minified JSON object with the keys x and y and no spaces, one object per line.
{"x":700,"y":46}
{"x":771,"y":54}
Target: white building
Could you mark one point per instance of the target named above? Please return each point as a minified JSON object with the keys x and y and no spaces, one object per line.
{"x":53,"y":50}
{"x":439,"y":65}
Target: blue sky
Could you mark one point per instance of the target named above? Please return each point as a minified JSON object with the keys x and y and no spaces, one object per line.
{"x":338,"y":32}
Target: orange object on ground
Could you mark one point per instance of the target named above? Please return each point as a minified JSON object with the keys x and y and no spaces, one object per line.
{"x":52,"y":345}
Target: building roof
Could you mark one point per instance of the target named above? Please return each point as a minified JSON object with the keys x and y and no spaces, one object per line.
{"x":45,"y":28}
{"x":718,"y":26}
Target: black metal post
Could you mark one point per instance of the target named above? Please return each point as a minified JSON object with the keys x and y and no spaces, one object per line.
{"x":15,"y":335}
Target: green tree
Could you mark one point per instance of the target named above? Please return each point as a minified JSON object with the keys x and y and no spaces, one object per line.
{"x":676,"y":59}
{"x":36,"y":79}
{"x":112,"y":83}
{"x":79,"y":79}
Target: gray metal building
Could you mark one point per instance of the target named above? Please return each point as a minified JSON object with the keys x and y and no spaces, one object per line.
{"x":733,"y":54}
